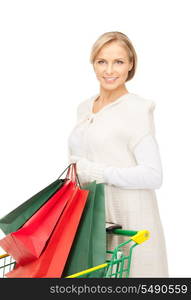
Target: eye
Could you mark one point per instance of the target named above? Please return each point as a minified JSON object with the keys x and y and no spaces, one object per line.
{"x":100,"y":61}
{"x":120,"y":61}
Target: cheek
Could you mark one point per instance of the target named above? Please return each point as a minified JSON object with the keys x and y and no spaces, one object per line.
{"x":124,"y":72}
{"x":100,"y":71}
{"x":123,"y":76}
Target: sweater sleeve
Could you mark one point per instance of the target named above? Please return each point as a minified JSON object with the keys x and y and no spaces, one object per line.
{"x":81,"y":112}
{"x":148,"y":172}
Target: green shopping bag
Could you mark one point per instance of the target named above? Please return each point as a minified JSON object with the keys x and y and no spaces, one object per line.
{"x":17,"y":217}
{"x":89,"y":247}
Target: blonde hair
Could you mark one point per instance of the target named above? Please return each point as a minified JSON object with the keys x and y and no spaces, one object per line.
{"x":109,"y":37}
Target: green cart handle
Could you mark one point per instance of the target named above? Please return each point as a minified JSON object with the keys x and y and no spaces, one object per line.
{"x":137,"y":236}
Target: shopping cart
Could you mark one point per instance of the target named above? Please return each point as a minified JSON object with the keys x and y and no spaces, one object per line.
{"x":7,"y":263}
{"x":117,"y":263}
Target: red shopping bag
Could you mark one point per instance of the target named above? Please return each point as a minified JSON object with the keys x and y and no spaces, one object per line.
{"x":53,"y":258}
{"x":27,"y":243}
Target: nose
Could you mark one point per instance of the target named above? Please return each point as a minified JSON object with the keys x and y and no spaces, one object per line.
{"x":109,"y":68}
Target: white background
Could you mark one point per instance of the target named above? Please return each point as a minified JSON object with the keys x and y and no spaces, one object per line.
{"x":45,"y":73}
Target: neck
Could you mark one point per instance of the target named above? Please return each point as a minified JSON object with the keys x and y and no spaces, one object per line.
{"x":107,"y":96}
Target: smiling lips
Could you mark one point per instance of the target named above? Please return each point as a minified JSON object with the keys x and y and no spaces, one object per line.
{"x":110,"y":79}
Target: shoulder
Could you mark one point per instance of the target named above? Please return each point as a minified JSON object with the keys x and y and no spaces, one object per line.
{"x":84,"y":107}
{"x":141,"y":104}
{"x":142,"y":119}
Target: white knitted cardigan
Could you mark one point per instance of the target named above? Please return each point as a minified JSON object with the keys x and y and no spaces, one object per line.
{"x":108,"y":147}
{"x":146,"y":174}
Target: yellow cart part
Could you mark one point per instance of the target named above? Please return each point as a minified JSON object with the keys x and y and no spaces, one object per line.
{"x":4,"y":255}
{"x":87,"y":271}
{"x":141,"y":236}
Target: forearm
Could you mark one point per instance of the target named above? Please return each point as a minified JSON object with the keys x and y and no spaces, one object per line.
{"x":147,"y":174}
{"x":138,"y":177}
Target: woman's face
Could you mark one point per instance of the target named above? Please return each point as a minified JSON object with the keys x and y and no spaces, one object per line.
{"x":112,"y":65}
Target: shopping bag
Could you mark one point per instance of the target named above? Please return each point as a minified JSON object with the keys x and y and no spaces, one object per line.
{"x":16,"y":218}
{"x":27,"y":243}
{"x":98,"y":236}
{"x":53,"y":258}
{"x":89,"y":247}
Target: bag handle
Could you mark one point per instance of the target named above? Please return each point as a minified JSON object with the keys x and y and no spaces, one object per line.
{"x":71,"y":173}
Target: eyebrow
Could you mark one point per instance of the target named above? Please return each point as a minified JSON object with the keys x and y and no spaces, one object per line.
{"x":115,"y":58}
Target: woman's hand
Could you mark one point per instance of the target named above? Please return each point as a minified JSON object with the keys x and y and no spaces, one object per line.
{"x":87,"y":170}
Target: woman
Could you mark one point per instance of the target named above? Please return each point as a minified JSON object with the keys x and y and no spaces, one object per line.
{"x":114,"y":143}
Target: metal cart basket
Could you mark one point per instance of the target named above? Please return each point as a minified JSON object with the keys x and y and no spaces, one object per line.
{"x":117,"y":264}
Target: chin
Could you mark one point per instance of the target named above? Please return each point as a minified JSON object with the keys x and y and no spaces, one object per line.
{"x":110,"y":86}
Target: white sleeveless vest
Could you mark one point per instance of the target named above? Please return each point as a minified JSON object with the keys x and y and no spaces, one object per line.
{"x":110,"y":137}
